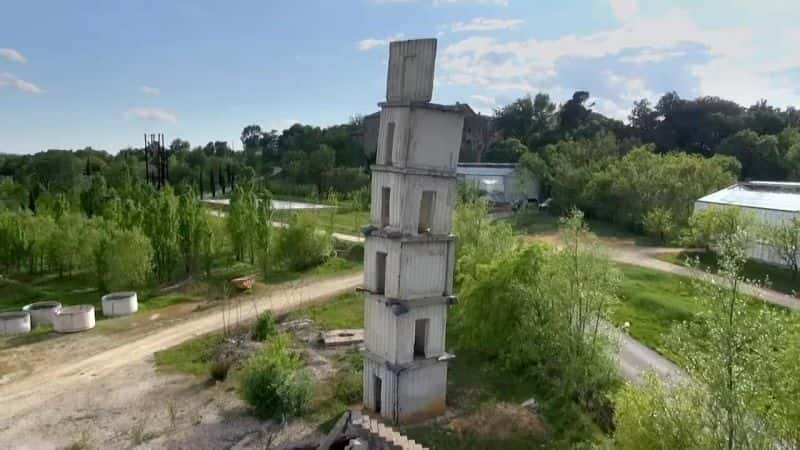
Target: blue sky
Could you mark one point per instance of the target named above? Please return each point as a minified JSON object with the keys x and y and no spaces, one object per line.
{"x":102,"y":73}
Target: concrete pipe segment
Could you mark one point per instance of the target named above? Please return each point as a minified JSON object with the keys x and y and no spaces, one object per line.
{"x":74,"y":318}
{"x":42,"y":313}
{"x":120,"y":304}
{"x":16,"y":322}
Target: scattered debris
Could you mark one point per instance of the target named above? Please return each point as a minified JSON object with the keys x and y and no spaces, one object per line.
{"x":532,"y":405}
{"x":499,"y":421}
{"x":244,"y":283}
{"x":299,"y":324}
{"x":342,"y":337}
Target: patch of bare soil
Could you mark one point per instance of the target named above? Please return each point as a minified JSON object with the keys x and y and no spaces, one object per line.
{"x":102,"y":391}
{"x":500,"y":421}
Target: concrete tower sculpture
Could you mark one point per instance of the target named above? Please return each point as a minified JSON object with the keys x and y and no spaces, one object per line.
{"x":409,"y":250}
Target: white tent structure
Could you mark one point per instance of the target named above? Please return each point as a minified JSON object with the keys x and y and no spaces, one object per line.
{"x":771,"y":202}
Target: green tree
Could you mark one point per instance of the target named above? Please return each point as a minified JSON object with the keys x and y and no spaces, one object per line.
{"x":658,"y":222}
{"x":190,"y":214}
{"x":161,"y":227}
{"x":263,"y":233}
{"x":784,"y":238}
{"x":711,"y":225}
{"x":656,"y":416}
{"x":728,"y":348}
{"x":506,"y":151}
{"x":123,"y":259}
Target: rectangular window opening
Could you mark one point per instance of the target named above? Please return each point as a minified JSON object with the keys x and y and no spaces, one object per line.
{"x":386,"y":195}
{"x":388,"y":144}
{"x":426,"y":209}
{"x":421,"y":327}
{"x":378,"y":393}
{"x":380,"y":272}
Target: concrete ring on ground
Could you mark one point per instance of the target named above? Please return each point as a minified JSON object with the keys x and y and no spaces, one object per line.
{"x":15,"y":322}
{"x":42,"y":313}
{"x":120,"y":304}
{"x":72,"y":319}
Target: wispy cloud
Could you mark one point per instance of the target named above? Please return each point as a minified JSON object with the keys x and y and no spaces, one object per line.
{"x":624,"y":10}
{"x":12,"y":55}
{"x":486,"y":24}
{"x":370,"y":43}
{"x":153,"y":114}
{"x":8,"y":80}
{"x":149,"y":90}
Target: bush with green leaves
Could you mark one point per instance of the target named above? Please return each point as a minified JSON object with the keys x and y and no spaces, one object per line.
{"x":707,"y":226}
{"x":303,"y":244}
{"x":659,"y":223}
{"x":264,"y":327}
{"x":656,"y":416}
{"x":123,"y":259}
{"x":274,"y":382}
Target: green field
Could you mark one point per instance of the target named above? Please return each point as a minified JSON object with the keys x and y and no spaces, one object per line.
{"x":535,"y":222}
{"x":774,"y":277}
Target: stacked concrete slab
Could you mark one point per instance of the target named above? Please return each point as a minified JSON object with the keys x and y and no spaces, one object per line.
{"x":409,"y":249}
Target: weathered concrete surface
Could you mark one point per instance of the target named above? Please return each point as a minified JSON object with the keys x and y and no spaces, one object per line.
{"x":42,"y":313}
{"x":72,"y":319}
{"x":410,"y":74}
{"x":120,"y":304}
{"x":16,"y":322}
{"x":335,"y":338}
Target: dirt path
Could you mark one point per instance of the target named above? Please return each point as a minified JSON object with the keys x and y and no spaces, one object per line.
{"x":38,"y":410}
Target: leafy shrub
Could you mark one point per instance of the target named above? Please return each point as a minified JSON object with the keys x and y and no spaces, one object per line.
{"x":347,"y":386}
{"x":123,"y":259}
{"x":264,"y":328}
{"x":274,"y":381}
{"x":658,"y":223}
{"x":219,"y":368}
{"x":302,"y":244}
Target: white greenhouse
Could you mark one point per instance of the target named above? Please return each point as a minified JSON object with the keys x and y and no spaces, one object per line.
{"x":772,"y":202}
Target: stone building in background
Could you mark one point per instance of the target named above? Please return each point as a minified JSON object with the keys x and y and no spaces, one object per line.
{"x":477,"y":136}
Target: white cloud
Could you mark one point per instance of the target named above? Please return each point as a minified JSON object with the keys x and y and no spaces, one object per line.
{"x":153,"y":114}
{"x":370,"y":43}
{"x":624,"y":10}
{"x":524,"y":64}
{"x":149,"y":90}
{"x":8,"y":80}
{"x":12,"y":55}
{"x":486,"y":24}
{"x":483,"y":103}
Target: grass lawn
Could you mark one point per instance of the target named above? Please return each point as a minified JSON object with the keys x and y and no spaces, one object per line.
{"x":190,"y":357}
{"x":73,"y":290}
{"x":346,"y":222}
{"x":532,"y":221}
{"x":780,"y":279}
{"x":343,"y":311}
{"x":653,"y":302}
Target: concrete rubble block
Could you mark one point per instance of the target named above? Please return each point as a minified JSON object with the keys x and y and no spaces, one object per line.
{"x":410,"y":74}
{"x":42,"y":313}
{"x":335,"y":338}
{"x":72,"y":319}
{"x":120,"y":304}
{"x":15,"y":322}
